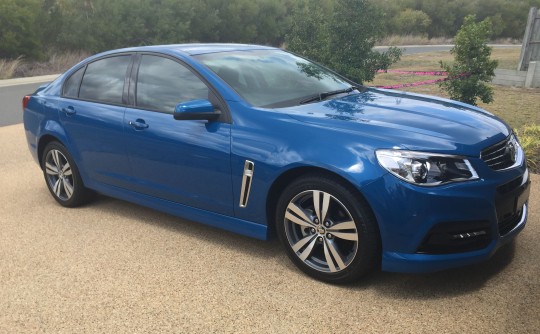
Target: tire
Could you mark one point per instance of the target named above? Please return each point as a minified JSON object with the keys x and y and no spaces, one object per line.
{"x":341,"y":248}
{"x":62,"y":176}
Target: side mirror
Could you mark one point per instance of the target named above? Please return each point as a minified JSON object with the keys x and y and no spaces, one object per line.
{"x":196,"y":110}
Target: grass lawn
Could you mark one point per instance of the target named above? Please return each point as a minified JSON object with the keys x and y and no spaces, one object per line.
{"x":517,"y":106}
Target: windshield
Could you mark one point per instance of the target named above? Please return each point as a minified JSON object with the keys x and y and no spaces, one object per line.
{"x":272,"y":78}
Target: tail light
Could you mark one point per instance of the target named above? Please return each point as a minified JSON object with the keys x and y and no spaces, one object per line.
{"x":25,"y":101}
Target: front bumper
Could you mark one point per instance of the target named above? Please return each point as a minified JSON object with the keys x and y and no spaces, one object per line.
{"x":430,"y":229}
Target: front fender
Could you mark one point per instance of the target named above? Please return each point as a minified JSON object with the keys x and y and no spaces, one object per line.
{"x":276,"y":144}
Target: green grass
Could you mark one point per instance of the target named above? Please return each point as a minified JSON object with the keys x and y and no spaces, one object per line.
{"x":519,"y":107}
{"x":529,"y":137}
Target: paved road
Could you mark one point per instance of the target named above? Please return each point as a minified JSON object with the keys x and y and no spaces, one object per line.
{"x":11,"y":97}
{"x":115,"y":267}
{"x":11,"y":93}
{"x":413,"y":49}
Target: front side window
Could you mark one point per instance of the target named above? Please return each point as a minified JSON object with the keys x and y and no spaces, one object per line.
{"x":104,"y":80}
{"x":162,"y":83}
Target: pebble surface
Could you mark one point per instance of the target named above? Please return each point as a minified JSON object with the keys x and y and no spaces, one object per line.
{"x":115,"y":267}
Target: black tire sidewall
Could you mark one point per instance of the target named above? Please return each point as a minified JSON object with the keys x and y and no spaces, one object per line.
{"x":368,"y":254}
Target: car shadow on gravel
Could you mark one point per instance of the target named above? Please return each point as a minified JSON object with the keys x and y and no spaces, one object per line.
{"x":395,"y":285}
{"x":213,"y":235}
{"x":441,"y":284}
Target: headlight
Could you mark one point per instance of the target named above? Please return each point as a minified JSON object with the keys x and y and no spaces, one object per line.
{"x":426,"y":169}
{"x":516,"y":150}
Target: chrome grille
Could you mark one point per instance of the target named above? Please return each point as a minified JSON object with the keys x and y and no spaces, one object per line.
{"x":500,"y":155}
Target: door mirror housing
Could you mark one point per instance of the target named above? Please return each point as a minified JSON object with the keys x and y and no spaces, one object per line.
{"x":196,"y":110}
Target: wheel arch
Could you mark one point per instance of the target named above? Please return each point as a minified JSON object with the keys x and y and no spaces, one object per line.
{"x":43,"y":141}
{"x":281,"y":182}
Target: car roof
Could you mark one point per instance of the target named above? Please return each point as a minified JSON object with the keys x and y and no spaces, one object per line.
{"x":199,"y":48}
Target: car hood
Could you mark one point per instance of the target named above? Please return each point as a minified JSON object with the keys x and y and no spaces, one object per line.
{"x":409,"y":121}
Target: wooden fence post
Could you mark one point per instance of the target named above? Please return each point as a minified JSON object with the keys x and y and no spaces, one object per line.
{"x":530,"y":49}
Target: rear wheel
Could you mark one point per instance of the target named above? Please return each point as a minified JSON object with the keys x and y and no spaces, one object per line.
{"x":328,"y":231}
{"x":62,"y":176}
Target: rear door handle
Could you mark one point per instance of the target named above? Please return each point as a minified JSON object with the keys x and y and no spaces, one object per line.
{"x":69,"y":111}
{"x":139,"y":124}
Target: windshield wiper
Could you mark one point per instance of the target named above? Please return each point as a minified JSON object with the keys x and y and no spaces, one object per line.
{"x":324,"y":95}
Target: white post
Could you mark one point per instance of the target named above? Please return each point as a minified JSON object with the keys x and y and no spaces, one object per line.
{"x":530,"y":74}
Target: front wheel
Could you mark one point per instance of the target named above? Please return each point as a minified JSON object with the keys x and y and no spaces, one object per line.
{"x":62,"y":176}
{"x":328,"y":230}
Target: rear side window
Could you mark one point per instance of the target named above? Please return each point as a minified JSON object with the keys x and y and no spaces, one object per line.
{"x":71,"y":87}
{"x":104,"y":80}
{"x":162,"y":83}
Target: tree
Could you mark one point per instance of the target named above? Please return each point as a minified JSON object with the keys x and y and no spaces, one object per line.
{"x":472,"y":68}
{"x":19,"y":28}
{"x":239,"y":18}
{"x":74,"y":25}
{"x":206,"y":21}
{"x":273,"y":20}
{"x":341,"y":34}
{"x":411,"y":22}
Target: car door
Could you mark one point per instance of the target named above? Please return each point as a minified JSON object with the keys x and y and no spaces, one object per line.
{"x":92,"y":114}
{"x":184,"y":161}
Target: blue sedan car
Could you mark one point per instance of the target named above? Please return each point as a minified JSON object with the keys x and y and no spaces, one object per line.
{"x":256,"y":140}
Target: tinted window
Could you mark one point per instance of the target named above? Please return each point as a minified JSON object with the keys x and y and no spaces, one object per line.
{"x":71,"y":87}
{"x":104,"y":80}
{"x":272,"y":78}
{"x":163,"y":83}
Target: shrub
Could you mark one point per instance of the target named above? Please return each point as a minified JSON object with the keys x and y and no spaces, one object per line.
{"x":20,"y":32}
{"x":56,"y":63}
{"x":472,"y":69}
{"x":8,"y":67}
{"x":529,"y":138}
{"x":341,"y":35}
{"x":411,"y":22}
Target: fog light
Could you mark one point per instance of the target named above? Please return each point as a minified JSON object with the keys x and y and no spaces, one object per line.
{"x":468,"y":235}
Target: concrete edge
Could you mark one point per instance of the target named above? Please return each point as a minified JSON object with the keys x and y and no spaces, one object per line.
{"x":29,"y":80}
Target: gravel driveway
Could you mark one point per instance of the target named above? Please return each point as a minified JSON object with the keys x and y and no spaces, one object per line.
{"x":115,"y":267}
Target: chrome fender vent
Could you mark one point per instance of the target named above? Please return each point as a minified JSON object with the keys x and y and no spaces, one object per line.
{"x":249,"y":167}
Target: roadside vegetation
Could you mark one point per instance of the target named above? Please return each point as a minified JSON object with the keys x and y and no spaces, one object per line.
{"x":8,"y":67}
{"x":38,"y":29}
{"x":443,"y":18}
{"x":344,"y":40}
{"x":53,"y":64}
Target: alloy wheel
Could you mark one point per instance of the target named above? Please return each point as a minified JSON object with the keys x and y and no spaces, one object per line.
{"x":59,"y":174}
{"x":321,"y":231}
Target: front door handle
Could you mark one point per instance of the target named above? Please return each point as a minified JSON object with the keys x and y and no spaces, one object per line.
{"x":69,"y":111}
{"x":138,"y":124}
